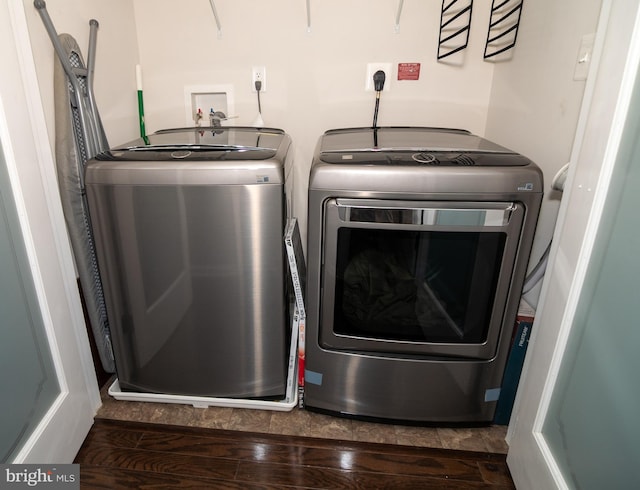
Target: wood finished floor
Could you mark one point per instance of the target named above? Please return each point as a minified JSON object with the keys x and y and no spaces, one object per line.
{"x":120,"y":454}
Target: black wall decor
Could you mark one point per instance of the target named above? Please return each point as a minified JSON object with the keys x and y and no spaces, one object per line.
{"x":503,"y":27}
{"x":455,"y":24}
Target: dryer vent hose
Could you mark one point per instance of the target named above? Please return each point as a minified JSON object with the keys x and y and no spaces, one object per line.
{"x":537,"y":273}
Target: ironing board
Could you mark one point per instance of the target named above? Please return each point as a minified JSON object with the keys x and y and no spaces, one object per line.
{"x":79,"y":137}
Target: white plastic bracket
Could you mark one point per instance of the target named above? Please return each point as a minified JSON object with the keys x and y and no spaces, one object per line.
{"x":398,"y":15}
{"x":215,"y":15}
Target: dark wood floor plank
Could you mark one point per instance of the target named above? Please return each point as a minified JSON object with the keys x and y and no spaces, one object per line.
{"x":114,"y":436}
{"x":377,"y":481}
{"x":221,"y":447}
{"x":157,"y":462}
{"x":400,"y":464}
{"x":138,"y":455}
{"x":297,"y":476}
{"x":381,"y":460}
{"x":497,"y":474}
{"x":95,"y":477}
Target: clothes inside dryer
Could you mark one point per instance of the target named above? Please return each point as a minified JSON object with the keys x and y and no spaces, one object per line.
{"x":416,"y":286}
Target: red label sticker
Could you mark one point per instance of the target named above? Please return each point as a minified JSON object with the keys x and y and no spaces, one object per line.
{"x":408,"y":71}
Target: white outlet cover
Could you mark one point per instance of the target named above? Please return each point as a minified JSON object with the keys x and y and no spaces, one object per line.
{"x":263,"y":71}
{"x":387,"y":68}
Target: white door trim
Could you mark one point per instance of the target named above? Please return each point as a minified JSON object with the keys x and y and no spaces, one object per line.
{"x":600,"y":128}
{"x":29,"y":160}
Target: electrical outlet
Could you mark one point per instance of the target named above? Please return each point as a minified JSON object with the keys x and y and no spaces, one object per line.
{"x":259,"y":74}
{"x":374,"y":67}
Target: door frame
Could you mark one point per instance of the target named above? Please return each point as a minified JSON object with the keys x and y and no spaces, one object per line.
{"x":608,"y":92}
{"x":30,"y":164}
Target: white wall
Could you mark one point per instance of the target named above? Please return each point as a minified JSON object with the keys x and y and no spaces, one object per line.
{"x":315,"y":81}
{"x":535,"y":101}
{"x":116,"y":57}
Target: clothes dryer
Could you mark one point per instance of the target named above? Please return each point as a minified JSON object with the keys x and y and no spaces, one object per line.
{"x":418,"y":244}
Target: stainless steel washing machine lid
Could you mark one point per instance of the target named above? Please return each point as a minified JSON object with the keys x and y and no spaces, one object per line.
{"x":232,"y":143}
{"x":414,"y":146}
{"x":228,"y":155}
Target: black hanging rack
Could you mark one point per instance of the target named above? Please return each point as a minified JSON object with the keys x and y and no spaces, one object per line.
{"x":455,"y":24}
{"x":503,"y":27}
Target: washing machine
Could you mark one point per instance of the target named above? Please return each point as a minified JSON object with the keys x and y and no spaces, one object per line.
{"x":189,"y":235}
{"x":418,"y":243}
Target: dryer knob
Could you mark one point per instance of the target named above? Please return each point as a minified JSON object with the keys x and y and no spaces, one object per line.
{"x":426,"y":158}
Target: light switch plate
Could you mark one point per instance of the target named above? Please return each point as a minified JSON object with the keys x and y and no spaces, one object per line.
{"x":585,"y":53}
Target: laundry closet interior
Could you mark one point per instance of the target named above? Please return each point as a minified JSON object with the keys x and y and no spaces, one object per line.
{"x":421,"y":201}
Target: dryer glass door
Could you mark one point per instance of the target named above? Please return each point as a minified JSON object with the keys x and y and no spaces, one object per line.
{"x":426,"y":278}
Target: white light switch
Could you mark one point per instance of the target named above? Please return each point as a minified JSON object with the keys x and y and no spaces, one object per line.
{"x":585,"y":53}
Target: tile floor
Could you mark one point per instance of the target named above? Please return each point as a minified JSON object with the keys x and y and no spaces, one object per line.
{"x":305,"y":423}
